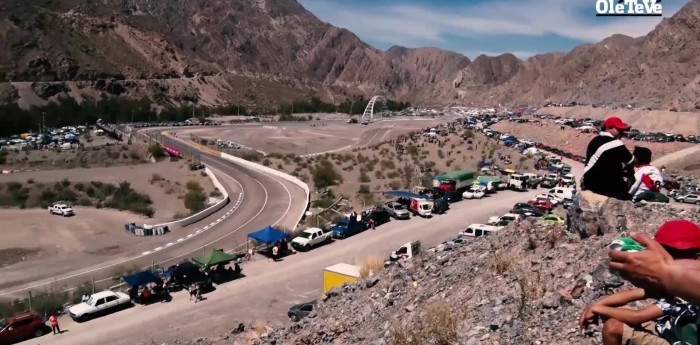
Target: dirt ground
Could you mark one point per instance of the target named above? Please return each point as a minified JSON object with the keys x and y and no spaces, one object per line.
{"x":313,"y":137}
{"x":164,"y":182}
{"x":663,"y":121}
{"x":100,"y":152}
{"x":571,"y":140}
{"x":369,"y":171}
{"x":690,"y":165}
{"x":28,"y":242}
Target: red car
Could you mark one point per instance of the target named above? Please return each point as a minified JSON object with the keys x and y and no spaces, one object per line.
{"x":21,"y":326}
{"x":542,"y":204}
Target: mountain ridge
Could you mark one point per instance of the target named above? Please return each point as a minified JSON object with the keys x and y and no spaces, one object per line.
{"x":279,"y":42}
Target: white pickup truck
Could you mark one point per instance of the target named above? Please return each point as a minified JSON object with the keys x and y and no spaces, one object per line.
{"x":61,"y":209}
{"x":310,"y":238}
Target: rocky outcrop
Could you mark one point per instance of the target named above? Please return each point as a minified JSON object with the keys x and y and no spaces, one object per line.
{"x":524,"y":285}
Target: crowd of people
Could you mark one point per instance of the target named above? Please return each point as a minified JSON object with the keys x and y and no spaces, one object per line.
{"x":666,"y":270}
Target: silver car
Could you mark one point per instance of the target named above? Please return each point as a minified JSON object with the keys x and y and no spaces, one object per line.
{"x":397,"y":210}
{"x":690,"y":199}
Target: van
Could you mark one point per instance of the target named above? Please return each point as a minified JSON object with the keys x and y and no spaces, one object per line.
{"x":562,"y":192}
{"x":21,"y":326}
{"x":478,"y":230}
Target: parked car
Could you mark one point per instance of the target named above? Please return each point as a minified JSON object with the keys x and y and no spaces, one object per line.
{"x":553,"y":219}
{"x":99,"y":304}
{"x":310,"y":238}
{"x":397,"y":210}
{"x":61,"y":209}
{"x":689,"y":199}
{"x":21,"y":326}
{"x":347,"y":227}
{"x":300,"y":311}
{"x":541,"y":204}
{"x":527,"y":210}
{"x":474,"y":192}
{"x":375,"y":217}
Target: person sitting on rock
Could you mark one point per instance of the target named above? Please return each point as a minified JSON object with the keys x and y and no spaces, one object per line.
{"x":663,"y":323}
{"x":647,"y":178}
{"x":606,"y":160}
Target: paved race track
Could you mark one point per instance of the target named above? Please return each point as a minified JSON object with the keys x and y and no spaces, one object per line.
{"x":266,"y":200}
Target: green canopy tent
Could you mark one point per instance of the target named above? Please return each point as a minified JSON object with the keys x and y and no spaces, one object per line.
{"x":213,"y":258}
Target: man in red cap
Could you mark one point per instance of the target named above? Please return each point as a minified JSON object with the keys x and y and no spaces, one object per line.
{"x":671,"y":320}
{"x":607,"y":160}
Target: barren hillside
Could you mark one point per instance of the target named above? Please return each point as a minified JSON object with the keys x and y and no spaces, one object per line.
{"x":145,"y":47}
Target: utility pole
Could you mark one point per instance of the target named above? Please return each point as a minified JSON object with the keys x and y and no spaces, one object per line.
{"x":43,"y":122}
{"x":238,"y":110}
{"x":132,"y":116}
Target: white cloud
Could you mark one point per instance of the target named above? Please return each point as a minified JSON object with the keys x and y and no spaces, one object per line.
{"x":412,"y":24}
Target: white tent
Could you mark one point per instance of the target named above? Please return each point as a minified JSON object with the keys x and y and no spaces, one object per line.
{"x":531,"y":151}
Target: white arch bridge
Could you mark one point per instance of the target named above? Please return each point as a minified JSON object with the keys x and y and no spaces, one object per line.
{"x":368,"y":115}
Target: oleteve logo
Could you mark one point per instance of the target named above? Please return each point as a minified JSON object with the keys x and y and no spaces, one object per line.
{"x":628,"y":8}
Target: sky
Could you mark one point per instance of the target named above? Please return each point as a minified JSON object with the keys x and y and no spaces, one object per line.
{"x":475,"y":27}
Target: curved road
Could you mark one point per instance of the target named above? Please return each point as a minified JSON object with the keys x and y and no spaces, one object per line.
{"x":264,"y":200}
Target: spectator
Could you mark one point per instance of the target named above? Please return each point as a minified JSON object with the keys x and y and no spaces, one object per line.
{"x":53,"y":321}
{"x":675,"y":318}
{"x":606,"y":160}
{"x":647,"y":178}
{"x":654,"y":269}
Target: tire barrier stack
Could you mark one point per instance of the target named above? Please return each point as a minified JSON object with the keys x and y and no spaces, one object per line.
{"x":139,"y":231}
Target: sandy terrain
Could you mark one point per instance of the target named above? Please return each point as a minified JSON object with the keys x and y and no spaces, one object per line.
{"x":654,"y":121}
{"x":313,"y":137}
{"x":166,"y":193}
{"x":34,"y":237}
{"x":572,"y":140}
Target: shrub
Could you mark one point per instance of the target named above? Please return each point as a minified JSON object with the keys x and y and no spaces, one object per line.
{"x":156,"y":178}
{"x":80,"y":187}
{"x":157,"y":151}
{"x":364,"y":189}
{"x":438,"y":326}
{"x":216,"y":193}
{"x":322,"y":203}
{"x":441,"y":154}
{"x":195,"y":199}
{"x":364,"y":178}
{"x":266,"y":162}
{"x":125,"y":198}
{"x":371,"y":266}
{"x":30,"y":181}
{"x":324,"y":174}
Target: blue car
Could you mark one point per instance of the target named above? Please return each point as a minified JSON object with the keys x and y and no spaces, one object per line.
{"x":346,"y":228}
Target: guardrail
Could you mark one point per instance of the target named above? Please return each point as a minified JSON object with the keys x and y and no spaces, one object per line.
{"x":273,"y":172}
{"x":201,"y":214}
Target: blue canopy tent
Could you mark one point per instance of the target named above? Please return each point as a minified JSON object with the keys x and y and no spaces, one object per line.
{"x":405,"y":194}
{"x":268,"y":235}
{"x":141,"y":278}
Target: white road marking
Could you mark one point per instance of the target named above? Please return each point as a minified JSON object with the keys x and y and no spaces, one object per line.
{"x":159,"y":248}
{"x":169,"y":244}
{"x":146,"y":253}
{"x":180,"y":239}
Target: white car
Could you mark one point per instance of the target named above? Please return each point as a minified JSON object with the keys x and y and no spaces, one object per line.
{"x":555,"y":200}
{"x":474,"y":192}
{"x":99,"y":304}
{"x":61,"y":209}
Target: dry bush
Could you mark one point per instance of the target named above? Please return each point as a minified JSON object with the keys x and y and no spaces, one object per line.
{"x":532,"y":288}
{"x":553,"y":236}
{"x":370,"y":266}
{"x":503,"y":262}
{"x":439,"y":326}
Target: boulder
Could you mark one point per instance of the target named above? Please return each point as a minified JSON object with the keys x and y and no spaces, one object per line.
{"x":592,"y":214}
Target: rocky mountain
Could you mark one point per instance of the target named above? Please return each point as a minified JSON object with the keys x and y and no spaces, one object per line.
{"x":263,"y":51}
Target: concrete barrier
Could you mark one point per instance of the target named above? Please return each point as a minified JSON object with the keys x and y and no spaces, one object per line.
{"x":273,"y":172}
{"x":201,"y":214}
